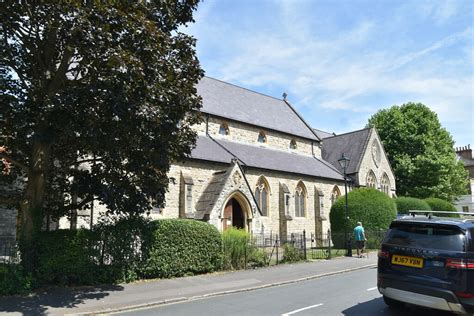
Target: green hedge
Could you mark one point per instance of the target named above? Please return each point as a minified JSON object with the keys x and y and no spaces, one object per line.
{"x":371,"y":207}
{"x":405,"y":204}
{"x":183,"y":247}
{"x":441,"y":205}
{"x":13,"y":280}
{"x":124,"y":248}
{"x":66,"y":257}
{"x":112,"y":252}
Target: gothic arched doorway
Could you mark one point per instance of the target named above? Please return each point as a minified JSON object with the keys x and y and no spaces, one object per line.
{"x":235,"y":213}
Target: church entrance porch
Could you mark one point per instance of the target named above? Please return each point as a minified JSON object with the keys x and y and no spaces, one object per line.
{"x":235,"y":213}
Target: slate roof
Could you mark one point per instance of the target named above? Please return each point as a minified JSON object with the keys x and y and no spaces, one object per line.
{"x":211,"y":193}
{"x":236,"y":103}
{"x":262,"y":158}
{"x":322,"y":134}
{"x":352,"y":145}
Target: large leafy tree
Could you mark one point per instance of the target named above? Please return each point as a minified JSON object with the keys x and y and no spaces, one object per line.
{"x":420,"y":151}
{"x":97,"y":99}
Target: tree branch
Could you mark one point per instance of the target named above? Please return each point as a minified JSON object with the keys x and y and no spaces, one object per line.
{"x":85,"y":201}
{"x":61,"y":72}
{"x":12,"y":161}
{"x":86,"y":160}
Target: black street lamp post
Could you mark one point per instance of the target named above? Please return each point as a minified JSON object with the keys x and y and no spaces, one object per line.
{"x":344,"y":162}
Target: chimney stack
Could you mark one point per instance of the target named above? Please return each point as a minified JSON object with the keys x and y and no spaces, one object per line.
{"x":465,"y":151}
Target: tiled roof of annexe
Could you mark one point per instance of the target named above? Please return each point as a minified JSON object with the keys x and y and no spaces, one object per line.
{"x":263,"y":158}
{"x":351,"y":144}
{"x":236,"y":103}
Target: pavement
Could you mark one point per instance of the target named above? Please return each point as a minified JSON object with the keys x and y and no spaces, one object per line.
{"x":122,"y":297}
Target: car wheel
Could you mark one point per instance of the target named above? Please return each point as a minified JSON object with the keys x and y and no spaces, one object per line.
{"x":392,"y":303}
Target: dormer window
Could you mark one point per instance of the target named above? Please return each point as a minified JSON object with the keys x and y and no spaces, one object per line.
{"x":262,"y":138}
{"x":293,"y":144}
{"x":224,"y":129}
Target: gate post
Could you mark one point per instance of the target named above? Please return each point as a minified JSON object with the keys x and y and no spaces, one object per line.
{"x":304,"y":244}
{"x":329,"y":244}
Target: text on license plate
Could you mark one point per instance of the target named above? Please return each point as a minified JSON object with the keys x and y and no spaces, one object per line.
{"x":407,"y":261}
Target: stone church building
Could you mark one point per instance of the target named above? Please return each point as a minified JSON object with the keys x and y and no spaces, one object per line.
{"x":259,"y":166}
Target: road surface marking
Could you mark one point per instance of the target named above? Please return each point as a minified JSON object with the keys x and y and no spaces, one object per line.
{"x":300,"y":310}
{"x":372,"y":288}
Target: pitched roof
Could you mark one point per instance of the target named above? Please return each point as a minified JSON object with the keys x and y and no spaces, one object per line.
{"x":322,"y":134}
{"x":211,"y":193}
{"x":262,"y":158}
{"x":352,"y":145}
{"x":236,"y":103}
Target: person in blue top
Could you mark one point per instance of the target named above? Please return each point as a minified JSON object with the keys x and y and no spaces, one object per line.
{"x":360,"y":239}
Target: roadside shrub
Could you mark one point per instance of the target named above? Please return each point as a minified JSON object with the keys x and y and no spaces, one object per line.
{"x":291,"y":253}
{"x":66,"y":257}
{"x":235,"y":248}
{"x":371,"y":207}
{"x":258,"y":258}
{"x":405,"y":204}
{"x":441,"y":205}
{"x":183,"y":247}
{"x":13,"y":280}
{"x":124,"y":246}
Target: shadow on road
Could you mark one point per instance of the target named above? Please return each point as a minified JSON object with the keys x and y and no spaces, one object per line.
{"x":38,"y":303}
{"x":378,"y":307}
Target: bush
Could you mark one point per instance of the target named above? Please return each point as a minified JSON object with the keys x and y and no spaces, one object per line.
{"x":441,"y":205}
{"x":258,"y":258}
{"x":235,"y":248}
{"x":291,"y":254}
{"x":124,"y":246}
{"x":66,"y":257}
{"x":405,"y":204}
{"x":114,"y":251}
{"x":371,"y":207}
{"x":183,"y":247}
{"x":13,"y":280}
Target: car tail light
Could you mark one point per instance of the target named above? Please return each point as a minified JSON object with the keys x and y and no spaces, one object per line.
{"x":465,"y":295}
{"x":383,"y":254}
{"x":460,"y":263}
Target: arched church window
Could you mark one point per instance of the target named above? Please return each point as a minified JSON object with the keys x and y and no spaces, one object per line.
{"x":335,"y":194}
{"x":385,"y":184}
{"x":293,"y":144}
{"x":262,"y":191}
{"x":300,"y":200}
{"x":262,"y":138}
{"x":371,"y":180}
{"x":224,"y":129}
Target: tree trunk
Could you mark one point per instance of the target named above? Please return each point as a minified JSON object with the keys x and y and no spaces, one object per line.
{"x":34,"y":197}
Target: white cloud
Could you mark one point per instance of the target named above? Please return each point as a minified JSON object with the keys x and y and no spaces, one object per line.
{"x":348,"y":71}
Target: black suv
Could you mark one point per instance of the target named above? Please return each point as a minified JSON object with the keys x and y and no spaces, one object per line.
{"x":428,"y":261}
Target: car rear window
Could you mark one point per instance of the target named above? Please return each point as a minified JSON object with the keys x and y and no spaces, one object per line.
{"x":427,"y":236}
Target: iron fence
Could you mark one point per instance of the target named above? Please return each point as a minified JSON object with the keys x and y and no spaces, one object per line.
{"x":302,"y":246}
{"x":9,"y":253}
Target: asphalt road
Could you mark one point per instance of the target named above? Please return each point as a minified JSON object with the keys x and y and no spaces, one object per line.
{"x":353,"y":293}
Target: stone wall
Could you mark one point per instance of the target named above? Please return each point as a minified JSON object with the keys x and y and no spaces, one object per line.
{"x":201,"y":173}
{"x":7,"y":225}
{"x":379,"y":168}
{"x":245,"y":133}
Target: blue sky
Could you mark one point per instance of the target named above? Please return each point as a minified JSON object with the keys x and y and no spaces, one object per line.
{"x":342,"y":61}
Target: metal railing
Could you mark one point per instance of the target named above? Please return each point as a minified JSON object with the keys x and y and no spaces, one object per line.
{"x":303,"y":246}
{"x":9,"y":253}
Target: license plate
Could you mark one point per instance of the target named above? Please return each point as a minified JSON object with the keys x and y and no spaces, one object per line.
{"x":407,"y":261}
